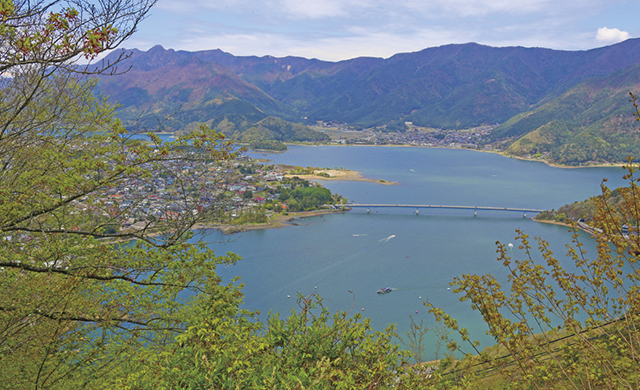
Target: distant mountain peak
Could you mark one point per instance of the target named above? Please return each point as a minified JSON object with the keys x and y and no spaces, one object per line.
{"x":156,"y":48}
{"x":440,"y":87}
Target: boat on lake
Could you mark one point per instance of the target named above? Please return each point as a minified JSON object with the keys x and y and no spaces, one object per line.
{"x":384,"y":290}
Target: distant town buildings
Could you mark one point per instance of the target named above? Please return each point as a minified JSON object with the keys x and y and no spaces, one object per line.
{"x":469,"y":138}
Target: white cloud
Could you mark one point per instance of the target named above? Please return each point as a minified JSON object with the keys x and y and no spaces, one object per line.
{"x":313,"y":9}
{"x":319,"y":9}
{"x":484,"y":7}
{"x":610,"y":35}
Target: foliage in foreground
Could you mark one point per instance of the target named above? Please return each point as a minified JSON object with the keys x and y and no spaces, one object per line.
{"x":310,"y":349}
{"x":587,"y":209}
{"x":563,"y":326}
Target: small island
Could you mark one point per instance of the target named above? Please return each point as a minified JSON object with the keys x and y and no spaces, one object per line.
{"x":310,"y":173}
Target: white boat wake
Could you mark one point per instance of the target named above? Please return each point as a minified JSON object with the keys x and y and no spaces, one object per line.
{"x":386,"y":239}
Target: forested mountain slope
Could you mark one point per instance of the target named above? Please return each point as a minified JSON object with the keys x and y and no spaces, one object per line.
{"x":591,"y":122}
{"x":449,"y":87}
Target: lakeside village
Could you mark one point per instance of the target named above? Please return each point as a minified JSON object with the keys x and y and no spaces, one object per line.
{"x":241,"y":192}
{"x":410,"y":135}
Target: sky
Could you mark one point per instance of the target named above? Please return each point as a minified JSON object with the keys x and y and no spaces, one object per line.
{"x":334,"y":30}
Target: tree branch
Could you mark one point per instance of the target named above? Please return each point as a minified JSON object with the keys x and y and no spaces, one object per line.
{"x":64,"y":316}
{"x":70,"y":272}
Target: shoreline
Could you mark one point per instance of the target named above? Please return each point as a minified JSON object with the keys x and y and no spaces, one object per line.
{"x":609,"y":165}
{"x":586,"y":228}
{"x":603,"y":165}
{"x":342,"y":175}
{"x":275,"y":222}
{"x":552,"y":222}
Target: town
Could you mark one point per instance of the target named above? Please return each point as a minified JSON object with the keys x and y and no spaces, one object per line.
{"x":473,"y":138}
{"x":235,"y":192}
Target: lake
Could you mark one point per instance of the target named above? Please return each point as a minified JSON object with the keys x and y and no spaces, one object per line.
{"x":347,"y":257}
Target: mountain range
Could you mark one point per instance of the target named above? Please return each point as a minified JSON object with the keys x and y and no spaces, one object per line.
{"x":569,"y":106}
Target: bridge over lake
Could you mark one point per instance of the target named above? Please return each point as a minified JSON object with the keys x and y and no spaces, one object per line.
{"x":475,"y":209}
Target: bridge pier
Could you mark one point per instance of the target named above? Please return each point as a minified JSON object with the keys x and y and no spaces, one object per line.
{"x":475,"y":213}
{"x":368,"y":211}
{"x":524,"y":215}
{"x":417,"y":212}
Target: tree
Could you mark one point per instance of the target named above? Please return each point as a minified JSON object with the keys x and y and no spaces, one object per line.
{"x":248,"y":194}
{"x":308,"y":198}
{"x":79,"y":301}
{"x":73,"y":301}
{"x":310,"y":349}
{"x":559,"y":327}
{"x":574,"y":327}
{"x":52,"y":35}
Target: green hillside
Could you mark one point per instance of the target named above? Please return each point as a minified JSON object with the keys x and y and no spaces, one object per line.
{"x":175,"y":91}
{"x":591,"y":122}
{"x":270,"y":128}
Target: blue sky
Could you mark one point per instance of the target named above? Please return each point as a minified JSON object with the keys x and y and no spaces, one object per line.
{"x":335,"y":30}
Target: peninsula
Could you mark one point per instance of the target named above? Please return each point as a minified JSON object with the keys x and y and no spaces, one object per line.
{"x":339,"y":174}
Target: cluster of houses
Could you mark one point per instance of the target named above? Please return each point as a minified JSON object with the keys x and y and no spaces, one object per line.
{"x":445,"y":138}
{"x":470,"y":138}
{"x":188,"y":187}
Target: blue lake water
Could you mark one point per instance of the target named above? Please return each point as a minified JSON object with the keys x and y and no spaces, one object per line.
{"x":347,"y":257}
{"x":145,"y":137}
